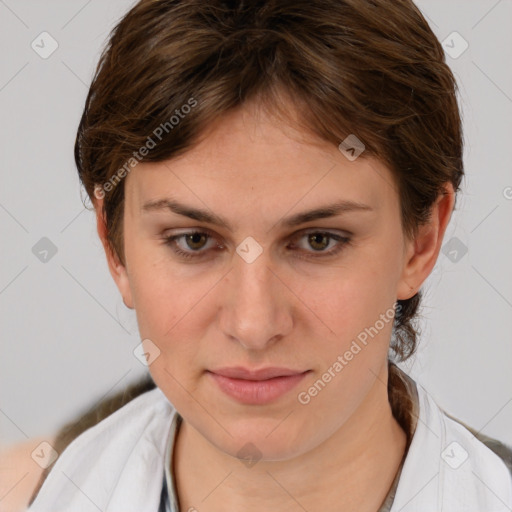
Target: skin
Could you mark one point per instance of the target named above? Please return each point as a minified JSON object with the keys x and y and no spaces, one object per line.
{"x":341,"y":451}
{"x":19,"y":474}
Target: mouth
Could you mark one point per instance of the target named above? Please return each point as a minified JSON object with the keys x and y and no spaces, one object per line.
{"x":256,"y":387}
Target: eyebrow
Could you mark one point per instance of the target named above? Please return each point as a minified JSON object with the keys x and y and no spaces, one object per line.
{"x":201,"y":215}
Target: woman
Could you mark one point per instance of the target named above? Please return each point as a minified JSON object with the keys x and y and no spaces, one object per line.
{"x":272,"y":183}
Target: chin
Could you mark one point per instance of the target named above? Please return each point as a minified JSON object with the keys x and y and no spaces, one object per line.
{"x":268,"y":439}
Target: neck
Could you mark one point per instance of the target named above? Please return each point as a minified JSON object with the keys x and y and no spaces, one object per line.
{"x":352,"y":470}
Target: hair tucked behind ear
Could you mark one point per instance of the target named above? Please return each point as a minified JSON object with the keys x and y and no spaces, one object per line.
{"x":406,"y":331}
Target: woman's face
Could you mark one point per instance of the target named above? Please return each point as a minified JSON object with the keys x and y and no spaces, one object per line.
{"x":266,"y":288}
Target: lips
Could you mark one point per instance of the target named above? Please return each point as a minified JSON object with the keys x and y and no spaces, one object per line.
{"x":256,"y":387}
{"x":239,"y":372}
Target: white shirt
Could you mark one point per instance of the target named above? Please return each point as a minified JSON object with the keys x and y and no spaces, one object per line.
{"x":118,"y":465}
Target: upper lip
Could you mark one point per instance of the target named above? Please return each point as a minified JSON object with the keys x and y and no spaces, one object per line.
{"x":239,"y":372}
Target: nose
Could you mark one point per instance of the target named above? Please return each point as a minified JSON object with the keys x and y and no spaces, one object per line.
{"x":257,"y":308}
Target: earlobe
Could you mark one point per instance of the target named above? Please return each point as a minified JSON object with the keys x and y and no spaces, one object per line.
{"x":116,"y":267}
{"x":421,"y":253}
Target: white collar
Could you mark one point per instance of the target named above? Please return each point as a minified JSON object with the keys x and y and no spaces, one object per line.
{"x":449,"y":469}
{"x":115,"y":466}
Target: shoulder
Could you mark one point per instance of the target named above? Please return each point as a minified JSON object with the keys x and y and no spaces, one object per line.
{"x":109,"y":458}
{"x":19,"y":473}
{"x":449,"y":466}
{"x":501,"y":450}
{"x":411,"y":402}
{"x":125,"y":424}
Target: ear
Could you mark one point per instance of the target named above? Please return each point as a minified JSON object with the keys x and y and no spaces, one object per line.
{"x":420,"y":254}
{"x":117,"y":269}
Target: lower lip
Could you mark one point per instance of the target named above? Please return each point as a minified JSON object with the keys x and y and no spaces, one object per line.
{"x":257,"y":392}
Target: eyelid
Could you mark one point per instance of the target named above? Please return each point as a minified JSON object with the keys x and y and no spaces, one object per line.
{"x":193,"y":231}
{"x":342,"y":233}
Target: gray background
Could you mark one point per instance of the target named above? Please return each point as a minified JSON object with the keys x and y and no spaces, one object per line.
{"x":66,"y":336}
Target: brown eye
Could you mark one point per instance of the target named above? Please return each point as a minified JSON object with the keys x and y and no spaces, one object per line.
{"x":193,"y":244}
{"x":319,"y":241}
{"x":196,"y":241}
{"x":319,"y":244}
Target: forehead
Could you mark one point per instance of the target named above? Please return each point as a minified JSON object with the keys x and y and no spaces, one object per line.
{"x":251,"y":159}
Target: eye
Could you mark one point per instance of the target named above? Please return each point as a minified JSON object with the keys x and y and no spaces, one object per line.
{"x":195,"y":240}
{"x":319,"y":241}
{"x":194,"y":244}
{"x":186,"y":244}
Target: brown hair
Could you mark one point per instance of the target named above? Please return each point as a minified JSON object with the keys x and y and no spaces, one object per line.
{"x":372,"y":68}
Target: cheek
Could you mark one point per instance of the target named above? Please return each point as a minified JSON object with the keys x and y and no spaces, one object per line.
{"x":169,"y":308}
{"x":359,"y":309}
{"x":356,"y":308}
{"x":354,"y":296}
{"x":359,"y":322}
{"x":160,"y":290}
{"x":173,"y":307}
{"x":171,"y":314}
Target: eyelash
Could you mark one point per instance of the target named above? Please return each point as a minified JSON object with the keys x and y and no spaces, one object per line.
{"x":342,"y":242}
